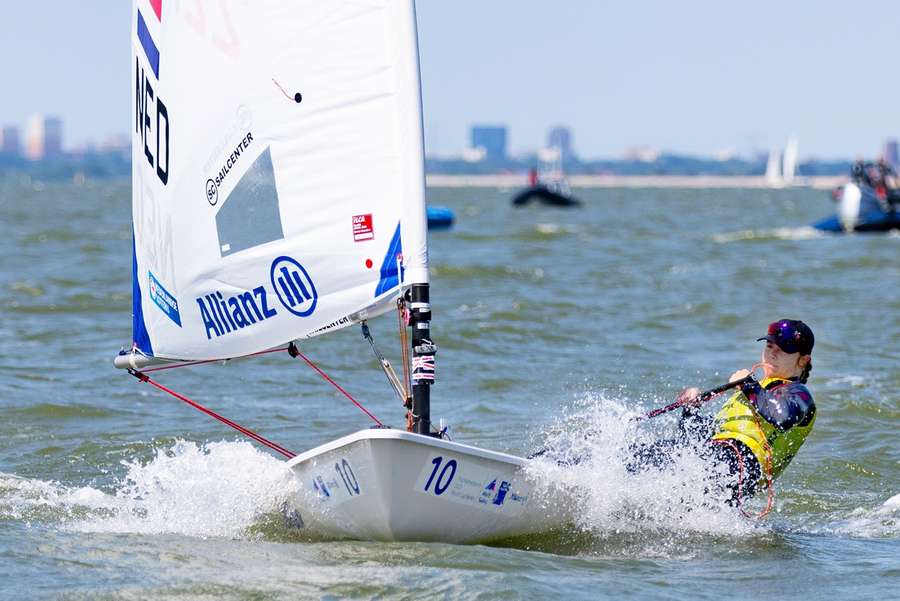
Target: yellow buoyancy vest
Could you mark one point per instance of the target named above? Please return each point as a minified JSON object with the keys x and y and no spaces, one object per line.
{"x":773,"y":448}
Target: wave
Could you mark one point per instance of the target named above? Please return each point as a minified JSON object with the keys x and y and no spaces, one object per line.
{"x":882,"y":521}
{"x":781,"y":233}
{"x":222,"y":489}
{"x":600,"y":436}
{"x":661,"y":511}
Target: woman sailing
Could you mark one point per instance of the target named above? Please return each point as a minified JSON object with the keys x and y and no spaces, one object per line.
{"x":760,"y":428}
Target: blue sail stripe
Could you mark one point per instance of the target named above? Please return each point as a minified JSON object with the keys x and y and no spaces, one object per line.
{"x":389,"y":277}
{"x":139,"y":333}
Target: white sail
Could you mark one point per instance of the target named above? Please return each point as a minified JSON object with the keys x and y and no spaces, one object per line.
{"x":789,"y":166}
{"x":773,"y":168}
{"x":278,"y":170}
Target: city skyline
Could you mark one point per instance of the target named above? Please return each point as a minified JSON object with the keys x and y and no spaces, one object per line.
{"x":43,"y":138}
{"x":703,"y":80}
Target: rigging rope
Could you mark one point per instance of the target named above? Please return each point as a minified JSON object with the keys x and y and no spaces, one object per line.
{"x":403,"y":318}
{"x":293,"y":351}
{"x":249,"y":433}
{"x":386,"y":367}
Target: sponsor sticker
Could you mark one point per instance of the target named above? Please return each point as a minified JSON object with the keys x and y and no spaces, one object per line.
{"x":165,"y":301}
{"x":294,"y":289}
{"x":473,"y":485}
{"x":338,"y":485}
{"x":218,"y":179}
{"x":362,"y":228}
{"x":293,"y":286}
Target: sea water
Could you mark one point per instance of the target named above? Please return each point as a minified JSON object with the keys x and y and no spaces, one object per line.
{"x":554,"y":327}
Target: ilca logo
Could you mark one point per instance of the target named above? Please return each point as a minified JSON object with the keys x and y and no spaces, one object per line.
{"x":293,"y":286}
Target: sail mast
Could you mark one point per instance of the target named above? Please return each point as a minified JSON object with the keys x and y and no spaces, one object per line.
{"x":423,"y":351}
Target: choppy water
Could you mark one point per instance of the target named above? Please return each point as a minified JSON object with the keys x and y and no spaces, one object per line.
{"x":545,"y":319}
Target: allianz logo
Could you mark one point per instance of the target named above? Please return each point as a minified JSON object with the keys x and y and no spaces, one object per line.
{"x":296,"y":293}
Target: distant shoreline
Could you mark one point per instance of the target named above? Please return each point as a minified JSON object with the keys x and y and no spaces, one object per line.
{"x":514,"y":180}
{"x":632,"y":181}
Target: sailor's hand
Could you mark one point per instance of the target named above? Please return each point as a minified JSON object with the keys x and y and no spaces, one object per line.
{"x":739,"y":375}
{"x":689,"y":397}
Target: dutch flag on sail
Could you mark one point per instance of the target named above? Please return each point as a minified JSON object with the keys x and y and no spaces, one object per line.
{"x":151,"y":51}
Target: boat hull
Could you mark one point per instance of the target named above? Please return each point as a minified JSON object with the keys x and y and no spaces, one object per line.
{"x":543,"y":195}
{"x":390,"y":485}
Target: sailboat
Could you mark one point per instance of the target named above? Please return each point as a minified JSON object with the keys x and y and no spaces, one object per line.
{"x":278,"y":195}
{"x":781,"y":167}
{"x":773,"y":170}
{"x":789,"y":164}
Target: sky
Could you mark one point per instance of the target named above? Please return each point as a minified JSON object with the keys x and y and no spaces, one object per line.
{"x":692,"y":77}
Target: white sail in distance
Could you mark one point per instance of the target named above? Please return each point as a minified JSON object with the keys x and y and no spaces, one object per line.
{"x":789,"y":167}
{"x":278,"y":170}
{"x":773,"y":168}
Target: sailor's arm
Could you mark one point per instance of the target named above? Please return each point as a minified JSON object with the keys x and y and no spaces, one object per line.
{"x":783,"y":406}
{"x":692,"y":422}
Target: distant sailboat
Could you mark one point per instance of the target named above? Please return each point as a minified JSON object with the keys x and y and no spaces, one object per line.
{"x":781,"y":167}
{"x":305,"y":124}
{"x":773,"y":169}
{"x":789,"y":164}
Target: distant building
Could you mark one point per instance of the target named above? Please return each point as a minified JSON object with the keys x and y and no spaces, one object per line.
{"x":492,"y":139}
{"x":44,"y":138}
{"x":644,"y":154}
{"x":474,"y":155}
{"x":890,"y":152}
{"x":561,"y":137}
{"x":10,"y":142}
{"x":116,"y":143}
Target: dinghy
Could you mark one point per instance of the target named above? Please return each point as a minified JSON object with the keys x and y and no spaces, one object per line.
{"x":440,"y":218}
{"x":547,"y":185}
{"x":278,"y":195}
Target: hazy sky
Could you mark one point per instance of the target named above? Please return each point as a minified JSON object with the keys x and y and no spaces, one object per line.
{"x":693,"y":77}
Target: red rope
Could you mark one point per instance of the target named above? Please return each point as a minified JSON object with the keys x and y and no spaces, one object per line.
{"x":249,"y":433}
{"x":740,"y":486}
{"x":295,"y":352}
{"x":291,"y":349}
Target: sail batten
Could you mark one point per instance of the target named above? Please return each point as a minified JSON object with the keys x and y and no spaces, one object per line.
{"x":278,"y":171}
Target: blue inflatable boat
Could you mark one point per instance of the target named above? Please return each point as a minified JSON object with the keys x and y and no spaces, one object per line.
{"x":861,"y":209}
{"x":439,"y":218}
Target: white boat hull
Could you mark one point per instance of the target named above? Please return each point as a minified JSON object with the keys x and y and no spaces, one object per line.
{"x":390,"y":485}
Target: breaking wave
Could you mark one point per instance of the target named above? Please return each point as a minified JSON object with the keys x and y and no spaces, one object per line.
{"x":865,"y":522}
{"x":600,"y":436}
{"x":589,"y":448}
{"x":780,"y":233}
{"x":218,"y":489}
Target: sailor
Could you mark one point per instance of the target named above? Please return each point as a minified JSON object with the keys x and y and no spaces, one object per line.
{"x":888,"y":178}
{"x":760,"y":427}
{"x":858,"y":170}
